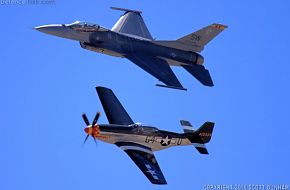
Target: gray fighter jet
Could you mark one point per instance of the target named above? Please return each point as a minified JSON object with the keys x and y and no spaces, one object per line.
{"x":129,"y":38}
{"x":140,"y":141}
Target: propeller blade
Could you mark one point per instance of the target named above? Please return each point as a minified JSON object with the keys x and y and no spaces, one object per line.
{"x":86,"y":119}
{"x":95,"y":141}
{"x":85,"y":140}
{"x":96,"y":119}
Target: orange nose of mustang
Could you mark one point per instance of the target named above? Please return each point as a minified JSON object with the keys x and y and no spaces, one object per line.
{"x":88,"y":130}
{"x":94,"y":131}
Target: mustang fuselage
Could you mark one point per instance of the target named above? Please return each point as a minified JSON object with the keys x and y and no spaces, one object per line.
{"x":148,"y":136}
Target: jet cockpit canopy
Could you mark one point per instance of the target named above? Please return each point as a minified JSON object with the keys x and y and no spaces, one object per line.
{"x":85,"y":27}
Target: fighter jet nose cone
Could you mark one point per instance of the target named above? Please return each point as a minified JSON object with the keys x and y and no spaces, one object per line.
{"x":42,"y":28}
{"x":39,"y":28}
{"x":53,"y":29}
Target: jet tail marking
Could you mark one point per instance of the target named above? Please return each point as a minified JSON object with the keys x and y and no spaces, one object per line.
{"x":201,"y":37}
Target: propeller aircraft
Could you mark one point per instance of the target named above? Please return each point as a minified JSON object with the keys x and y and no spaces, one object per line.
{"x":140,"y":141}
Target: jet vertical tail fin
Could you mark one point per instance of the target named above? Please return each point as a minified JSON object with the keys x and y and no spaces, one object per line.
{"x":197,"y":40}
{"x":201,"y":136}
{"x":132,"y":23}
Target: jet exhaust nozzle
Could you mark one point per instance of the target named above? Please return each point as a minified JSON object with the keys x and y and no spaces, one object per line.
{"x":199,"y":60}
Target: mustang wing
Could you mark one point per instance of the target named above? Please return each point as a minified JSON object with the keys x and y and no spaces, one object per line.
{"x":157,"y":67}
{"x":114,"y":110}
{"x":145,"y":160}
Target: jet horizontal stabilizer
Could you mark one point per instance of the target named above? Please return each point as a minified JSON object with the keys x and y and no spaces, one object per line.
{"x":200,"y":73}
{"x":174,"y":87}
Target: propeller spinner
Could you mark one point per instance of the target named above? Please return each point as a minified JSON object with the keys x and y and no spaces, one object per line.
{"x":91,"y":129}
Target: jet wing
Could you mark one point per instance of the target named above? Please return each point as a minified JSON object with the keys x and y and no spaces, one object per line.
{"x":157,"y":67}
{"x":145,"y":160}
{"x":114,"y":110}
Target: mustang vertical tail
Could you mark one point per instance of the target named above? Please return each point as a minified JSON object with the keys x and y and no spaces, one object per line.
{"x":199,"y":137}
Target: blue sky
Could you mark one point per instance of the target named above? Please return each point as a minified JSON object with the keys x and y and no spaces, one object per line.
{"x":48,"y":82}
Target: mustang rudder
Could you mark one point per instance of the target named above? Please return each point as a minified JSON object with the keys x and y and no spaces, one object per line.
{"x":199,"y":137}
{"x":205,"y":131}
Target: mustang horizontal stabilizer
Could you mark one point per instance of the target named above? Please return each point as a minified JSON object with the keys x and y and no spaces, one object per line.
{"x":187,"y":127}
{"x":132,"y":23}
{"x":200,"y":73}
{"x":143,"y":157}
{"x":114,"y":110}
{"x":157,"y":67}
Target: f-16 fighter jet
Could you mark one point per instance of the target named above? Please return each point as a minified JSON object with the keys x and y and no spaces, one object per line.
{"x":129,"y":38}
{"x":140,"y":141}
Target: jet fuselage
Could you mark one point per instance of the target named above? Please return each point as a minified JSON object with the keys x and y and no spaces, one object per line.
{"x":124,"y":45}
{"x":113,"y":43}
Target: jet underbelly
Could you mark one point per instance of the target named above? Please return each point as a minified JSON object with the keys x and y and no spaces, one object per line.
{"x":172,"y":62}
{"x":100,"y":50}
{"x":108,"y":52}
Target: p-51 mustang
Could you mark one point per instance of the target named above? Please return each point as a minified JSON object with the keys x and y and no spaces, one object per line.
{"x":129,"y":38}
{"x":139,"y":141}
